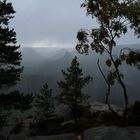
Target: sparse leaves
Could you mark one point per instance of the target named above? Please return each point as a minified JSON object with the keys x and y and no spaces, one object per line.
{"x":111,"y":77}
{"x":117,"y":62}
{"x":131,"y":57}
{"x":108,"y":62}
{"x":82,"y":36}
{"x":114,"y":17}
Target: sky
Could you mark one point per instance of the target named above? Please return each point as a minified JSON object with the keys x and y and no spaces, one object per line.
{"x":53,"y":23}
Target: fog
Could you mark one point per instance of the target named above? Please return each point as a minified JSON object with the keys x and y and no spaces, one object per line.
{"x":43,"y":65}
{"x":52,"y":23}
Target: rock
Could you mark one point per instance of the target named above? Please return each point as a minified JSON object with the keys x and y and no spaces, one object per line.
{"x":98,"y":106}
{"x":68,"y":122}
{"x":98,"y":133}
{"x":112,"y":133}
{"x":18,"y":137}
{"x":54,"y":137}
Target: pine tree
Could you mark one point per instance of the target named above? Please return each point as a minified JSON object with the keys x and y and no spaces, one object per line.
{"x":13,"y":101}
{"x":45,"y":106}
{"x":71,"y":89}
{"x":10,"y":57}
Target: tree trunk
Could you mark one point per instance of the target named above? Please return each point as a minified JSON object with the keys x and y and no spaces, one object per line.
{"x":108,"y":91}
{"x":123,"y":87}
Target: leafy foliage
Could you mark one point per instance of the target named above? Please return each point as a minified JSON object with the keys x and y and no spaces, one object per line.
{"x":114,"y":17}
{"x":131,"y":57}
{"x":71,"y":89}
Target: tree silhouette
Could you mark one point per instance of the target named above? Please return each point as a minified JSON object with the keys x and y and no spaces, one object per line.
{"x":13,"y":101}
{"x":45,"y":106}
{"x":10,"y":58}
{"x":114,"y":17}
{"x":71,"y":89}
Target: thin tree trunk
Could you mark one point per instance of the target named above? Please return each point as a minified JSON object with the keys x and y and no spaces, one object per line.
{"x":125,"y":95}
{"x":108,"y":92}
{"x":123,"y":87}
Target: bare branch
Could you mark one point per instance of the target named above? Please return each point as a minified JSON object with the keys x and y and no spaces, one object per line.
{"x":98,"y":64}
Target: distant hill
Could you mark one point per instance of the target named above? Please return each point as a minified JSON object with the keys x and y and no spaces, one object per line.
{"x":45,"y":64}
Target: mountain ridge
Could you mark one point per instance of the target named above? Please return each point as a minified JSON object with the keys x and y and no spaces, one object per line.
{"x":39,"y":70}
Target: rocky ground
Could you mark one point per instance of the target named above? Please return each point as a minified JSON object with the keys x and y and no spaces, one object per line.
{"x":112,"y":133}
{"x":55,"y":137}
{"x":97,"y":133}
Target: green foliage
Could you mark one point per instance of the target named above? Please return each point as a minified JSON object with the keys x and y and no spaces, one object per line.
{"x":131,"y":57}
{"x":19,"y":122}
{"x":108,"y":62}
{"x":3,"y":119}
{"x":114,"y":17}
{"x":21,"y":101}
{"x":45,"y":104}
{"x":10,"y":58}
{"x":71,"y":88}
{"x":13,"y":101}
{"x":133,"y":117}
{"x":16,"y":100}
{"x":115,"y":13}
{"x":112,"y":77}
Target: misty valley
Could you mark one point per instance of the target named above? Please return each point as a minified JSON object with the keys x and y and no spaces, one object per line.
{"x":43,"y":65}
{"x":66,"y":76}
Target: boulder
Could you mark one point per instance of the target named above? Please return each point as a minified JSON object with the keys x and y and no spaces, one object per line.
{"x":112,"y":133}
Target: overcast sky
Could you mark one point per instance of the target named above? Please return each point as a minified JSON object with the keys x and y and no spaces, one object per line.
{"x":53,"y":23}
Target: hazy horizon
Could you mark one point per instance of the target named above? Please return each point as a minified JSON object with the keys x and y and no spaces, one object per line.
{"x":53,"y":24}
{"x":45,"y":65}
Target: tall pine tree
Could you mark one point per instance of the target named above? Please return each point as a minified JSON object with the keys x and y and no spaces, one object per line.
{"x":71,"y":89}
{"x":10,"y":57}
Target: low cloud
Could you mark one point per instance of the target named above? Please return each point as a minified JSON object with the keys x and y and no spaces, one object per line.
{"x":53,"y":23}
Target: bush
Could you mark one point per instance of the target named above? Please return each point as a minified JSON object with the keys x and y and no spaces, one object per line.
{"x":18,"y":126}
{"x":134,"y":114}
{"x":49,"y":127}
